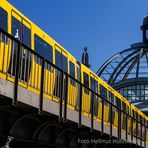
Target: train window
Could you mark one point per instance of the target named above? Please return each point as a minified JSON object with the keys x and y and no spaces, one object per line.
{"x":26,"y":36}
{"x":140,"y":119}
{"x":60,"y":60}
{"x":111,"y":97}
{"x":94,"y":85}
{"x":136,"y":116}
{"x":3,"y":19}
{"x":133,"y":113}
{"x":72,"y":73}
{"x":123,"y":106}
{"x":42,"y":48}
{"x":103,"y":92}
{"x":64,"y":63}
{"x":127,"y":109}
{"x":118,"y":102}
{"x":21,"y":32}
{"x":86,"y":82}
{"x":16,"y":28}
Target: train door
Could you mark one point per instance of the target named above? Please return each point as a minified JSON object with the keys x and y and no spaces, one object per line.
{"x":106,"y":108}
{"x":4,"y":42}
{"x":112,"y":100}
{"x":72,"y":90}
{"x":21,"y":30}
{"x":118,"y":104}
{"x":61,"y":62}
{"x":123,"y":116}
{"x":85,"y":91}
{"x":94,"y":87}
{"x":78,"y":71}
{"x":128,"y":120}
{"x":103,"y":94}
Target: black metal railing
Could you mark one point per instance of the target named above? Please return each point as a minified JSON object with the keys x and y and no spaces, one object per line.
{"x":26,"y":66}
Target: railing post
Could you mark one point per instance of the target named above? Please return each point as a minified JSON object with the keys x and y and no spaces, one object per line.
{"x":42,"y":87}
{"x":136,"y":132}
{"x":141,"y":135}
{"x":80,"y":107}
{"x":126,"y":127}
{"x":119,"y":125}
{"x":102,"y":120}
{"x":92,"y":112}
{"x":145,"y":125}
{"x":17,"y":74}
{"x":61,"y":97}
{"x":65,"y":99}
{"x":111,"y":119}
{"x":132,"y":129}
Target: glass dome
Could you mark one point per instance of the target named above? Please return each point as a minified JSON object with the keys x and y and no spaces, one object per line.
{"x":127,"y":71}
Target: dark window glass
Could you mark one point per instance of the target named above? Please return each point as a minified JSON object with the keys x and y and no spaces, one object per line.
{"x":72,"y":69}
{"x":42,"y":48}
{"x":118,"y":102}
{"x":3,"y":19}
{"x":21,"y":32}
{"x":86,"y":82}
{"x":26,"y":36}
{"x":94,"y":84}
{"x":16,"y":28}
{"x":123,"y":106}
{"x":111,"y":97}
{"x":58,"y":60}
{"x":64,"y":63}
{"x":72,"y":73}
{"x":103,"y":93}
{"x":94,"y":88}
{"x":133,"y":113}
{"x":136,"y":115}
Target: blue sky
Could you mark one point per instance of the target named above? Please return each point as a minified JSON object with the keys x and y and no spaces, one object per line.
{"x":104,"y":26}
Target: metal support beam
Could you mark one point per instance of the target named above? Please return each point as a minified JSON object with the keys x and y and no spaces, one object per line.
{"x":65,"y":101}
{"x":111,"y":120}
{"x":80,"y":107}
{"x":42,"y":87}
{"x":92,"y":112}
{"x":17,"y":74}
{"x":61,"y":98}
{"x":102,"y":120}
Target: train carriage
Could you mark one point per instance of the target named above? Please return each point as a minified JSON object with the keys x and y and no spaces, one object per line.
{"x":94,"y":88}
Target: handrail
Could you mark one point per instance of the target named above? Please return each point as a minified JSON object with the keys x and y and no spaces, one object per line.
{"x":81,"y":86}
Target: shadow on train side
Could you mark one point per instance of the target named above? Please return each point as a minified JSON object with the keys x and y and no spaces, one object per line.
{"x":22,"y":127}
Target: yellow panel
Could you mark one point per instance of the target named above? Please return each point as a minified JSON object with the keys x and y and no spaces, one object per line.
{"x":16,"y":16}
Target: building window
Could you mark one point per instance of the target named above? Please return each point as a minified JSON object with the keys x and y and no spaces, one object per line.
{"x":42,"y":48}
{"x":135,"y":93}
{"x":3,"y":19}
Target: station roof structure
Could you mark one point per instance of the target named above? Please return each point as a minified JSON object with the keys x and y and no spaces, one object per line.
{"x":127,"y":71}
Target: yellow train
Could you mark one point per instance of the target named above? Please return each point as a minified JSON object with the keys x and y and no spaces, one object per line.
{"x":20,"y":27}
